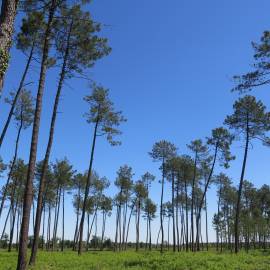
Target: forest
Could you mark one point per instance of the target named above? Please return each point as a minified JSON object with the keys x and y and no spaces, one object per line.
{"x":115,"y":219}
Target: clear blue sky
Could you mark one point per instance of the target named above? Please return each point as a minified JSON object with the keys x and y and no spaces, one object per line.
{"x":169,"y":71}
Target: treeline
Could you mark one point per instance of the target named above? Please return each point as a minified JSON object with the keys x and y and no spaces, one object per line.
{"x":61,"y":34}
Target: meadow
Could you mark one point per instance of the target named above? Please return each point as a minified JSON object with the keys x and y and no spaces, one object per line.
{"x":109,"y":260}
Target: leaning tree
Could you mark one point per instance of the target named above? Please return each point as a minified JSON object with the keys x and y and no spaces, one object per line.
{"x":106,"y":120}
{"x":219,"y":143}
{"x":249,"y":121}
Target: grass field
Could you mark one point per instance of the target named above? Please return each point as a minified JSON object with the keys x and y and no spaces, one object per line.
{"x":141,"y":260}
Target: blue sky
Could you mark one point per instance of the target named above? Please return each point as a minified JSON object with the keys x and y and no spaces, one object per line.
{"x":169,"y":71}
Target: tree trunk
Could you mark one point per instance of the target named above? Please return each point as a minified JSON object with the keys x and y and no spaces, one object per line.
{"x":89,"y":232}
{"x":236,"y":231}
{"x":87,"y":187}
{"x":150,"y":235}
{"x":192,"y":202}
{"x":161,"y":206}
{"x":206,"y":224}
{"x":14,"y":102}
{"x":7,"y":18}
{"x":48,"y":152}
{"x":177,"y":218}
{"x":11,"y":168}
{"x":131,"y":212}
{"x":43,"y":226}
{"x":63,"y":220}
{"x":5,"y":224}
{"x":14,"y":210}
{"x":186,"y":199}
{"x":28,"y":194}
{"x":173,"y":214}
{"x":198,"y":217}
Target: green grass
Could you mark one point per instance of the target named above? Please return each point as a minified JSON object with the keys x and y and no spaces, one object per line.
{"x":108,"y":260}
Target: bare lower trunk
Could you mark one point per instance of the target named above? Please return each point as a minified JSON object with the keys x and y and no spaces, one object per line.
{"x":161,"y":208}
{"x":48,"y":152}
{"x":88,"y":183}
{"x":11,"y":168}
{"x":28,"y":194}
{"x":236,"y":236}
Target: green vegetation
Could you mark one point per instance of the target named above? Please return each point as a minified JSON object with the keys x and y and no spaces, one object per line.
{"x":143,"y":260}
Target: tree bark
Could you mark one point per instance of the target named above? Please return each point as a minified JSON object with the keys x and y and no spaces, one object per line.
{"x":28,"y":194}
{"x":48,"y":152}
{"x":7,"y":19}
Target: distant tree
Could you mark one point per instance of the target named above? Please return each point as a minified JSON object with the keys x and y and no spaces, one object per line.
{"x":23,"y":117}
{"x":63,"y":173}
{"x":141,"y":194}
{"x":220,"y":142}
{"x":15,"y":190}
{"x":186,"y":168}
{"x":106,"y":120}
{"x":148,"y":178}
{"x":124,"y":183}
{"x":79,"y":181}
{"x":251,"y":120}
{"x":149,"y":208}
{"x":199,"y":150}
{"x":106,"y":208}
{"x":162,"y":151}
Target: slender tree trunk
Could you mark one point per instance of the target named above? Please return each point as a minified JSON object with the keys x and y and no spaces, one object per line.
{"x":161,"y":206}
{"x":48,"y":152}
{"x":11,"y":168}
{"x":206,"y":224}
{"x":87,"y":187}
{"x":7,"y":18}
{"x":77,"y":219}
{"x":43,"y":226}
{"x":173,"y":214}
{"x":150,"y":235}
{"x":177,"y":218}
{"x":138,"y":224}
{"x":28,"y":194}
{"x":192,"y":202}
{"x":12,"y":225}
{"x":236,"y":229}
{"x":169,"y":219}
{"x":56,"y":219}
{"x":14,"y":102}
{"x":18,"y":229}
{"x":218,"y":214}
{"x":131,"y":212}
{"x":186,"y":201}
{"x":198,"y":217}
{"x":63,"y":220}
{"x":5,"y":224}
{"x":116,"y":230}
{"x":90,"y":231}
